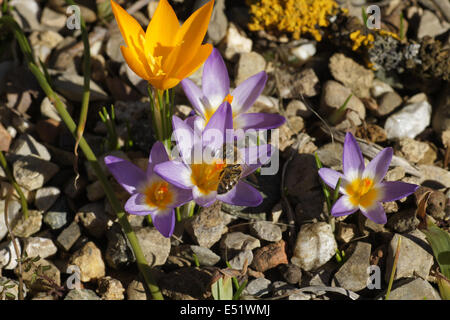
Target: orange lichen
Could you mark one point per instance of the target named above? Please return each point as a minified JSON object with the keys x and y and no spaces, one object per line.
{"x":298,"y":17}
{"x":361,"y":39}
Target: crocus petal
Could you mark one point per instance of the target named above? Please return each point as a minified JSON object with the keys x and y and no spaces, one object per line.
{"x":213,"y":136}
{"x":257,"y":121}
{"x":215,"y":80}
{"x":194,"y":95}
{"x":127,"y":174}
{"x":136,"y":205}
{"x":396,"y":190}
{"x":196,"y":123}
{"x":376,"y":213}
{"x":343,"y":207}
{"x":162,"y":29}
{"x":158,"y":154}
{"x":203,"y":199}
{"x":242,"y":194}
{"x":255,"y":157}
{"x":331,"y":177}
{"x":175,"y":172}
{"x":184,"y":137}
{"x":164,"y":221}
{"x":181,"y":196}
{"x":353,"y":161}
{"x":245,"y":95}
{"x":378,"y":167}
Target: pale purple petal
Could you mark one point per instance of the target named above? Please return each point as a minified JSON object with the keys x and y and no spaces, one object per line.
{"x":331,"y":177}
{"x":378,"y":167}
{"x":196,"y":123}
{"x":242,"y":194}
{"x":215,"y":80}
{"x":136,"y":205}
{"x":184,"y":137}
{"x":176,"y":173}
{"x":195,"y":96}
{"x":245,"y":95}
{"x":202,"y":199}
{"x":376,"y":213}
{"x":214,"y":134}
{"x":353,"y":161}
{"x":258,"y":121}
{"x":127,"y":174}
{"x":164,"y":221}
{"x":158,"y":154}
{"x":343,"y":207}
{"x":396,"y":190}
{"x":254,"y":157}
{"x":181,"y":196}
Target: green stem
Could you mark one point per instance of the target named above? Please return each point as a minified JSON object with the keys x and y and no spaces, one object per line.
{"x":394,"y":268}
{"x":90,"y":156}
{"x":9,"y":175}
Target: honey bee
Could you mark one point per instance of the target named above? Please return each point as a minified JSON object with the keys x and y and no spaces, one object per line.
{"x":231,"y":173}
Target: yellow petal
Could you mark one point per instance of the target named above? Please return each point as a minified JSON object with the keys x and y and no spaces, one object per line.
{"x":162,"y":29}
{"x":191,"y":66}
{"x":131,"y":30}
{"x":134,"y":63}
{"x":190,"y":37}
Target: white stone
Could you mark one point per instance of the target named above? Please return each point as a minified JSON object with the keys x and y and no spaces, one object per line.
{"x":26,"y":145}
{"x":304,"y":51}
{"x":315,"y":246}
{"x":46,"y":197}
{"x":409,"y":122}
{"x":42,"y":247}
{"x":236,"y":43}
{"x":13,"y":215}
{"x":379,"y":88}
{"x":8,"y":256}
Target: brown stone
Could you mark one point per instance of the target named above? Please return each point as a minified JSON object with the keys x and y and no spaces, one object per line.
{"x":270,"y":256}
{"x":5,"y":139}
{"x":48,"y":130}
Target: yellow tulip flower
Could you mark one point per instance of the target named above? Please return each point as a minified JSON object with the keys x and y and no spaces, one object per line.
{"x":167,"y":52}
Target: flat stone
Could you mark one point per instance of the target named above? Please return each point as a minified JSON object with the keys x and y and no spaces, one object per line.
{"x":236,"y":42}
{"x":24,"y":228}
{"x":70,"y":85}
{"x":205,"y":256}
{"x":49,"y":271}
{"x":26,"y":145}
{"x":110,"y":289}
{"x":334,"y":96}
{"x":14,"y":214}
{"x":243,"y":258}
{"x":315,"y":246}
{"x":417,"y":289}
{"x":56,"y":217}
{"x":291,"y":273}
{"x":409,"y":121}
{"x":351,"y":74}
{"x":32,"y":173}
{"x":413,"y":258}
{"x":434,"y":173}
{"x":388,"y":102}
{"x":249,"y":64}
{"x":353,"y":274}
{"x":429,"y":25}
{"x":81,"y":294}
{"x":118,"y":253}
{"x":53,"y":19}
{"x":8,"y":256}
{"x":270,"y":256}
{"x":417,"y":152}
{"x":42,"y":247}
{"x":403,"y":221}
{"x":94,"y":218}
{"x":89,"y":260}
{"x":345,"y":232}
{"x":239,"y":241}
{"x":295,"y":85}
{"x":155,"y":246}
{"x":266,"y":230}
{"x":46,"y":197}
{"x":69,"y":236}
{"x":136,"y":291}
{"x":379,"y":88}
{"x":257,"y":287}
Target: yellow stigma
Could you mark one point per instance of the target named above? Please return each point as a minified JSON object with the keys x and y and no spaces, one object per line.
{"x":158,"y":195}
{"x":362,"y":192}
{"x":206,"y":176}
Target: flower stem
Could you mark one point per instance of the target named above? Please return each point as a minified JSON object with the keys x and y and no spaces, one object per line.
{"x":394,"y":267}
{"x":90,"y":156}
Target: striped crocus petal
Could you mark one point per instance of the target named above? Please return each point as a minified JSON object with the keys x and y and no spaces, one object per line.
{"x":378,"y":167}
{"x":246,"y":93}
{"x":375,"y":213}
{"x":204,"y":199}
{"x":176,"y":173}
{"x":343,"y":207}
{"x":195,"y":97}
{"x":215,"y":80}
{"x":242,"y":194}
{"x":254,"y":157}
{"x":137,"y":205}
{"x":128,"y":175}
{"x":331,"y":177}
{"x":396,"y":190}
{"x":184,"y":137}
{"x":352,"y":159}
{"x":164,"y":221}
{"x":258,"y":121}
{"x":213,"y":137}
{"x":158,"y":154}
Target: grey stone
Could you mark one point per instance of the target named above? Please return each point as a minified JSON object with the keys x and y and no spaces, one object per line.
{"x":53,"y":19}
{"x":81,"y":294}
{"x":429,"y":25}
{"x":49,"y":110}
{"x":205,"y":256}
{"x":14,"y":290}
{"x":249,"y":64}
{"x":239,"y":241}
{"x":46,"y":197}
{"x":94,"y":218}
{"x":70,"y":85}
{"x":155,"y":246}
{"x":42,"y":247}
{"x":69,"y":236}
{"x":26,"y":145}
{"x":414,"y":257}
{"x":217,"y":28}
{"x":295,"y":85}
{"x":239,"y":261}
{"x":50,"y":272}
{"x":299,"y":296}
{"x":136,"y":291}
{"x":403,"y":221}
{"x":257,"y":287}
{"x":110,"y":289}
{"x":8,"y":256}
{"x":434,"y":173}
{"x":281,"y":288}
{"x":24,"y":228}
{"x":351,"y":74}
{"x":32,"y":172}
{"x":334,"y":96}
{"x":118,"y":253}
{"x":353,"y":274}
{"x":95,"y":191}
{"x":13,"y":215}
{"x":266,"y":230}
{"x":56,"y":217}
{"x":43,"y":42}
{"x":417,"y":289}
{"x":315,"y":246}
{"x":291,"y":273}
{"x":388,"y":102}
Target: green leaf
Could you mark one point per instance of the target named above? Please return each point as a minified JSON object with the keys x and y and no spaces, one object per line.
{"x":444,"y":288}
{"x":439,"y":241}
{"x":222,"y":289}
{"x":9,"y":295}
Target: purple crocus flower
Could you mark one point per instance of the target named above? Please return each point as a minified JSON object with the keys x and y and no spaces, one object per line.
{"x":203,"y":176}
{"x":150,"y":194}
{"x":362,"y":187}
{"x":216,"y":89}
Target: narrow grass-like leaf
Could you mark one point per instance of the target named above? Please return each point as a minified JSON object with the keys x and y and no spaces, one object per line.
{"x":394,"y":267}
{"x":241,"y":288}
